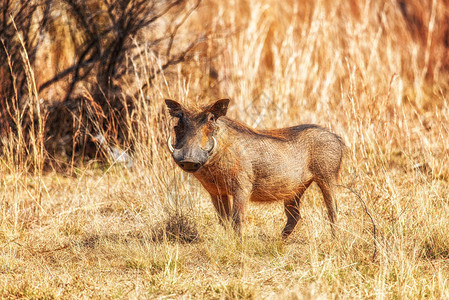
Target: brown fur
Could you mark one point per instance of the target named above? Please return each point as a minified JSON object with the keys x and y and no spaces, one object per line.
{"x":248,"y":164}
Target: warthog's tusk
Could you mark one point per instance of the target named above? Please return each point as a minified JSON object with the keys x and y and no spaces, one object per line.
{"x":215,"y":144}
{"x":170,"y":146}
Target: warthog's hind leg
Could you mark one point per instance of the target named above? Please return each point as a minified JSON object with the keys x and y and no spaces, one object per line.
{"x":326,"y":189}
{"x":291,"y":208}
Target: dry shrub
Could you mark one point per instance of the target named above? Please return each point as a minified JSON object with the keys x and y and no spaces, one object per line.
{"x":79,"y":58}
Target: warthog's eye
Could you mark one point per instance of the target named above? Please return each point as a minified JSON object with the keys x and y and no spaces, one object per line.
{"x":180,"y":124}
{"x":179,"y":128}
{"x":210,"y":118}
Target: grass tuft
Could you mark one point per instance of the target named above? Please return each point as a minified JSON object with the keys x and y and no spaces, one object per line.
{"x":177,"y":227}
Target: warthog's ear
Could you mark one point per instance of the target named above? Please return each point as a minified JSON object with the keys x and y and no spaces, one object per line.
{"x":175,"y":109}
{"x":219,"y":108}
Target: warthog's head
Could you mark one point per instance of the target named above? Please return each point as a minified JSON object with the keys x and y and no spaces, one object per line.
{"x":195,"y":141}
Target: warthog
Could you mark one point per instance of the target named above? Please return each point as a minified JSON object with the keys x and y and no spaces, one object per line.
{"x":236,"y":163}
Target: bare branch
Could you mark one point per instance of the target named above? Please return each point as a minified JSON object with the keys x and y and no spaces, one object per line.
{"x":365,"y":208}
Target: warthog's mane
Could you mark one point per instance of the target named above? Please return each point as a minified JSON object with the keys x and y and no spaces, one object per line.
{"x":282,"y":134}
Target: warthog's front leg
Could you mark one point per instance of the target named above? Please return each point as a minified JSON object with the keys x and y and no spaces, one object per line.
{"x":240,"y":199}
{"x":222,"y":206}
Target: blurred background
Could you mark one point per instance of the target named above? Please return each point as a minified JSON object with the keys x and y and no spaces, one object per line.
{"x":74,"y":69}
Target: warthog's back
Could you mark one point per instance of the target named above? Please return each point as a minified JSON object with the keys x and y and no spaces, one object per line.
{"x":279,"y":162}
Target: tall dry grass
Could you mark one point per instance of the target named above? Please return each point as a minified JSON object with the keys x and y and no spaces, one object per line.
{"x":356,"y":67}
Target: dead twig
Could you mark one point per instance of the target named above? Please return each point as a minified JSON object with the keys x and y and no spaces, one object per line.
{"x":365,"y":208}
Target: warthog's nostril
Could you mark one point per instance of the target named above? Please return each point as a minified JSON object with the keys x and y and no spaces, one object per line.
{"x":189,"y":166}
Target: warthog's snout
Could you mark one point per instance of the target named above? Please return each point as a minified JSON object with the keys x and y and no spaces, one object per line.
{"x":188,"y":163}
{"x":189,"y":166}
{"x":190,"y":157}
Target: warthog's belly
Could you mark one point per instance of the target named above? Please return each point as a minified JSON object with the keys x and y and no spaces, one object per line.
{"x":277,"y":191}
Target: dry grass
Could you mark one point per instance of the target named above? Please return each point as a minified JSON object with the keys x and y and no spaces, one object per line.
{"x":151,"y":232}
